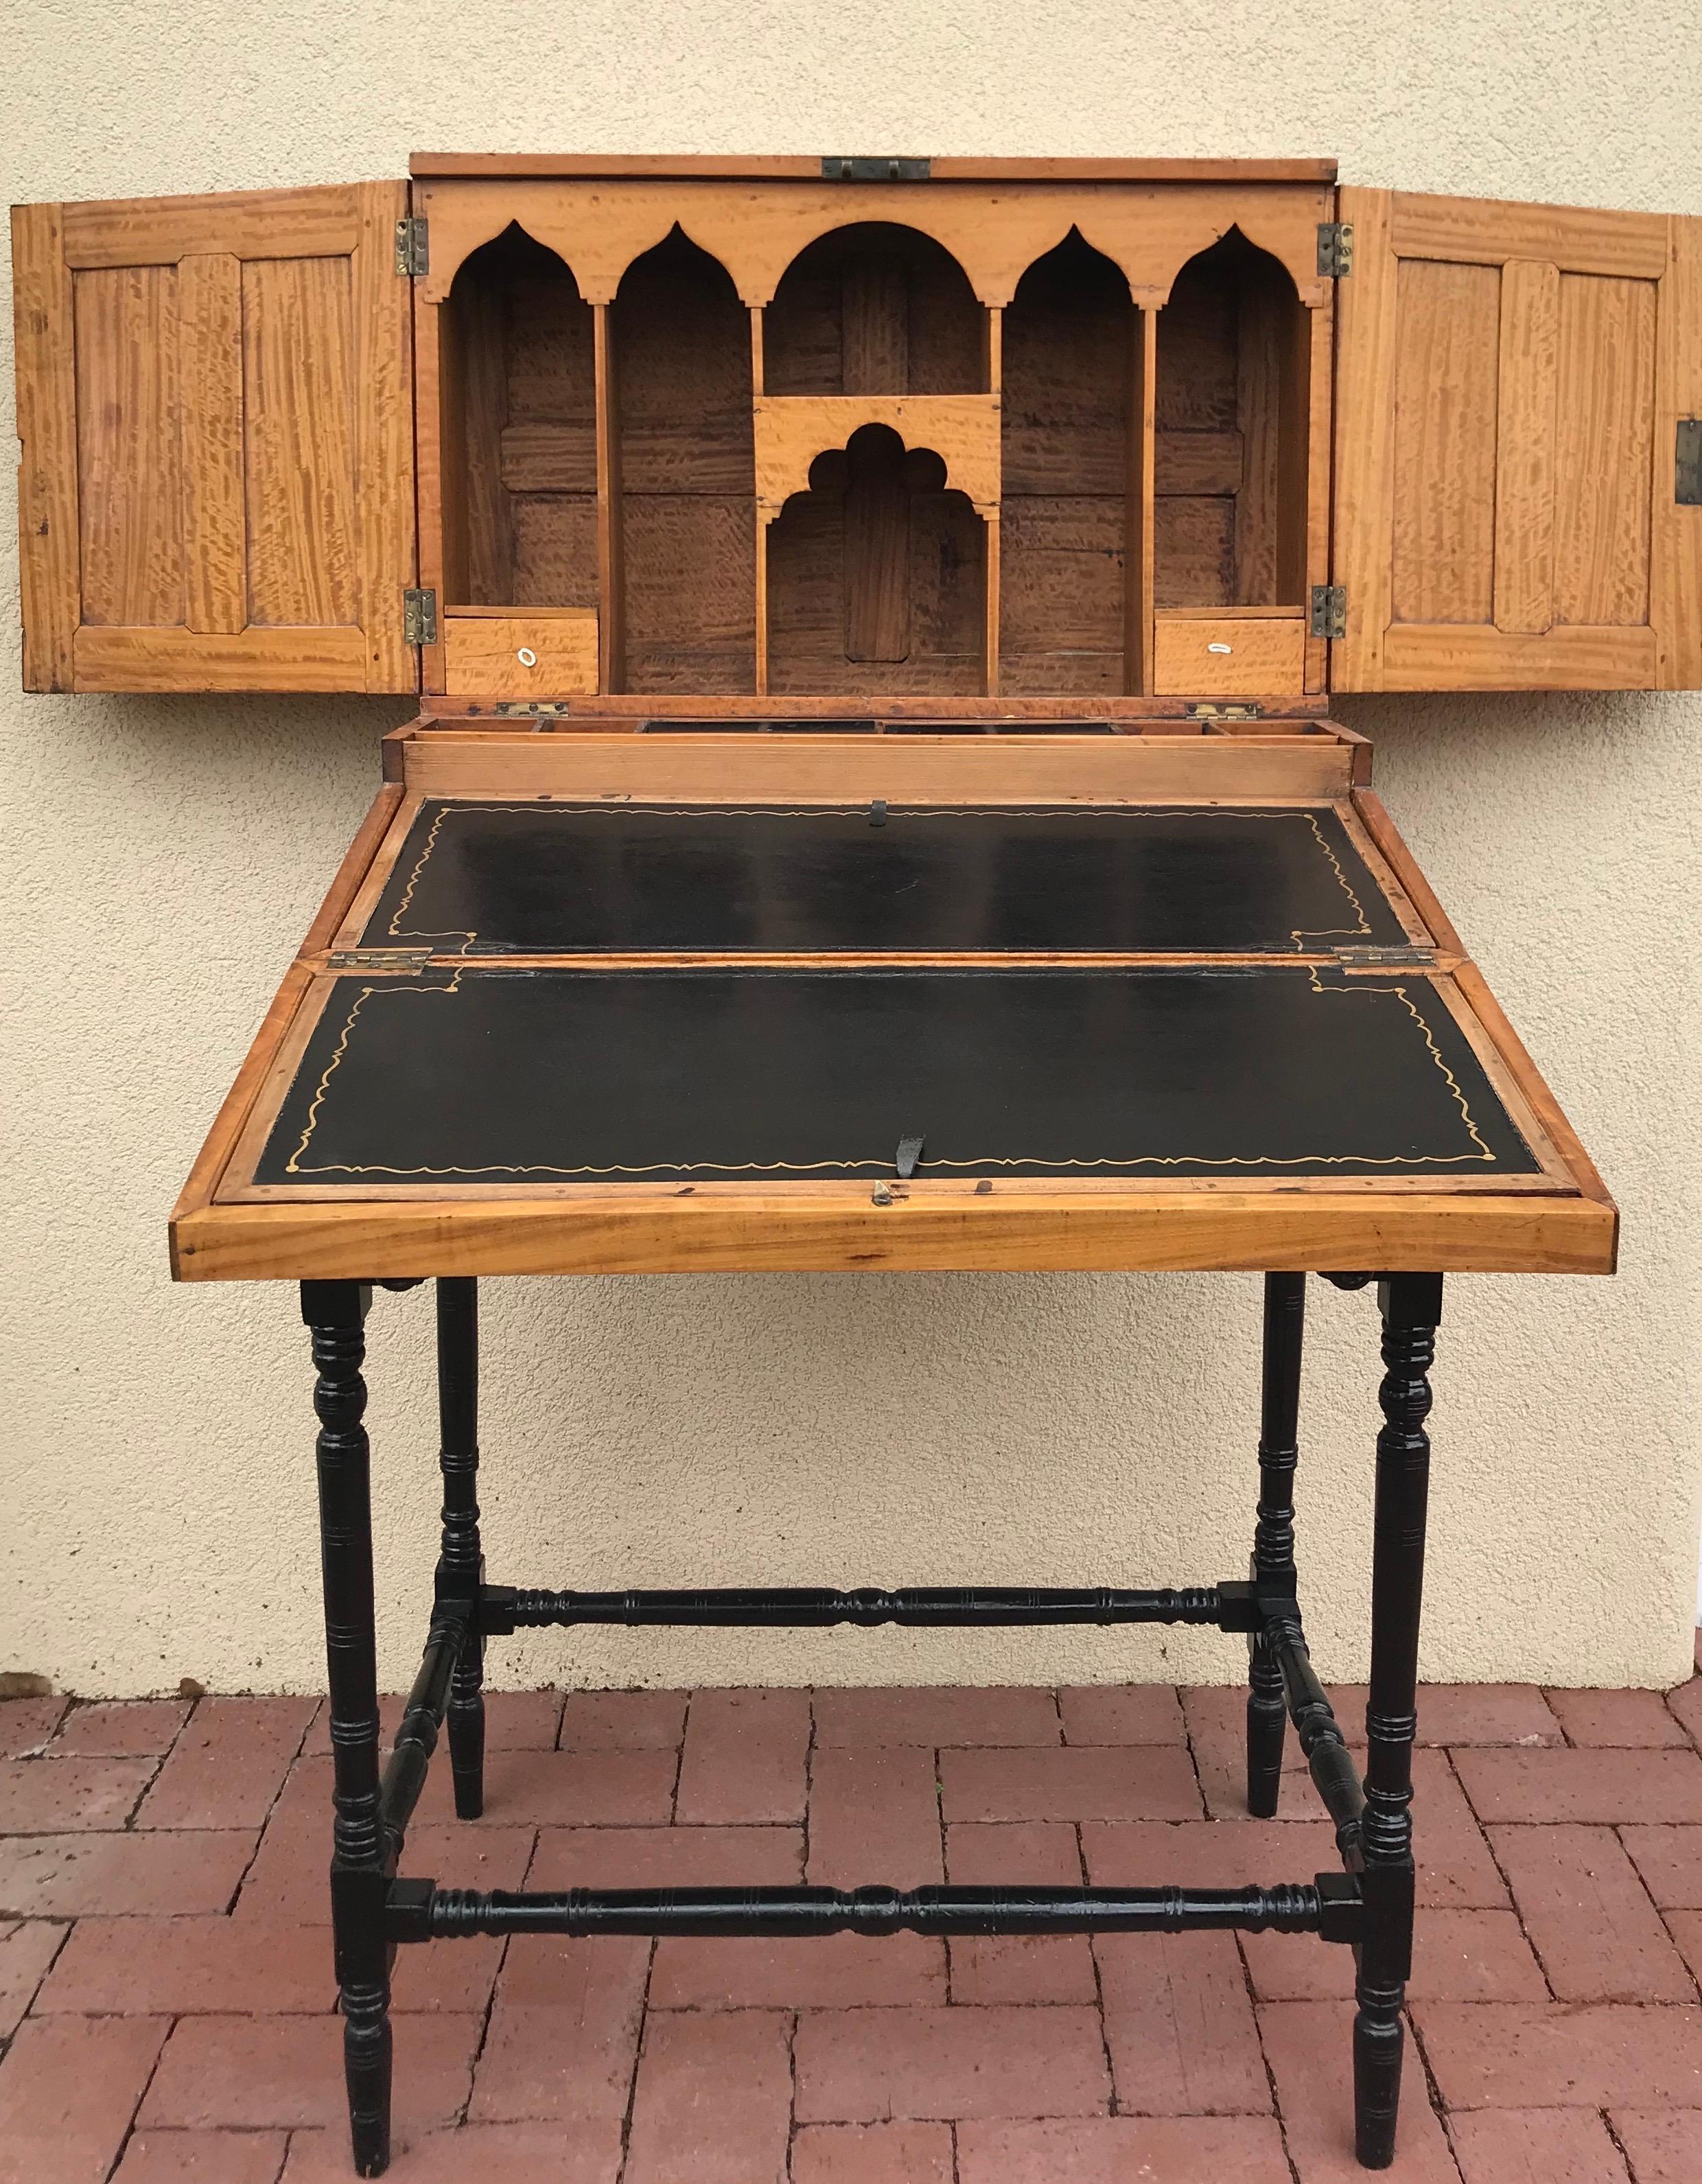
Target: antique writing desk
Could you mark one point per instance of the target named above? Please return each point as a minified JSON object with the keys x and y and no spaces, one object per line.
{"x":607,"y":994}
{"x":874,"y":806}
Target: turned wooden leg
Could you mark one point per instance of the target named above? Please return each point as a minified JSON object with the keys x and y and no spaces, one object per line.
{"x":1273,"y":1539}
{"x":1411,"y":1307}
{"x":336,"y":1313}
{"x":461,"y":1564}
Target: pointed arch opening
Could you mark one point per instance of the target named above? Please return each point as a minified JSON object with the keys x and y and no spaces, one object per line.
{"x":680,"y":344}
{"x":1069,"y":424}
{"x":1234,"y":349}
{"x":520,"y":442}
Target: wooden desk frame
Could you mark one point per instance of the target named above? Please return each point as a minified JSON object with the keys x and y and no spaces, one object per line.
{"x":1402,"y":1233}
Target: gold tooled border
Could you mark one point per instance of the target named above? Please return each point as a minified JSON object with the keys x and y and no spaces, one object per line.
{"x":451,"y":808}
{"x":296,"y":1166}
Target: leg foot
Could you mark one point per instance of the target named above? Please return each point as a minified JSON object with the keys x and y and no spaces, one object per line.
{"x":1267,"y":1724}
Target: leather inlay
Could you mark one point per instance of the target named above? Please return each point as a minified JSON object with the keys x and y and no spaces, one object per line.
{"x":490,"y":1076}
{"x":552,"y":878}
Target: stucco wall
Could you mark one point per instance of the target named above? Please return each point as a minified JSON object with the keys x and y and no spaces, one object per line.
{"x":162,"y":857}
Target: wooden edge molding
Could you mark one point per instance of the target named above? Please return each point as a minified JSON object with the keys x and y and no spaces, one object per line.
{"x":1102,"y":1232}
{"x":801,"y":166}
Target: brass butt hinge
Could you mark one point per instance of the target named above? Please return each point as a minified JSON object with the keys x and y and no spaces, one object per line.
{"x":1335,"y":249}
{"x":840,"y":168}
{"x":410,"y":959}
{"x":1410,"y":958}
{"x":1687,"y":464}
{"x":413,"y":247}
{"x":1329,"y":615}
{"x":1225,"y":713}
{"x":418,"y":617}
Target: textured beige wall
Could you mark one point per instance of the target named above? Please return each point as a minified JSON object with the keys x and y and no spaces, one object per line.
{"x":161,"y":859}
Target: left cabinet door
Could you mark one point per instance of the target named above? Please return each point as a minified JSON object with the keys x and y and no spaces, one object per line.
{"x":215,"y":407}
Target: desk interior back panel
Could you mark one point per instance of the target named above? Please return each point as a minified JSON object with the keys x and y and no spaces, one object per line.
{"x":562,"y":1075}
{"x":546,"y":877}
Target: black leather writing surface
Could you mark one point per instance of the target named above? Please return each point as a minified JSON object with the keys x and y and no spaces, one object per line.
{"x":552,"y":878}
{"x":564,"y":1075}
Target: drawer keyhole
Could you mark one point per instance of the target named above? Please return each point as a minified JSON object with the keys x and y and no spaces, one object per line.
{"x":527,"y":657}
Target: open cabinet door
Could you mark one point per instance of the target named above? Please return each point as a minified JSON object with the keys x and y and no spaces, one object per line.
{"x":1510,"y":384}
{"x":215,"y":404}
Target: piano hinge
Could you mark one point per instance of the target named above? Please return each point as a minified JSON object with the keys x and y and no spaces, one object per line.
{"x":413,"y":247}
{"x":1329,"y":610}
{"x":1335,"y":249}
{"x":1225,"y":713}
{"x":840,"y":168}
{"x":418,"y":617}
{"x":378,"y":959}
{"x":1408,"y":957}
{"x":1687,"y":464}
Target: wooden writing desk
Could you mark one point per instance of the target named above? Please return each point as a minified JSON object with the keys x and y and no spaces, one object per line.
{"x":615,"y":995}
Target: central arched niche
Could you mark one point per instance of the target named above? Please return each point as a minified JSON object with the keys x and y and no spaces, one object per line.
{"x":1234,"y":346}
{"x":682,"y":347}
{"x":520,"y":431}
{"x":875,"y":309}
{"x":880,"y":566}
{"x":1071,"y":348}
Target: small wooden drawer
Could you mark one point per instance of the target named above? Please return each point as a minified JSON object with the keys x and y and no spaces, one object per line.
{"x":1231,"y":656}
{"x":536,"y":653}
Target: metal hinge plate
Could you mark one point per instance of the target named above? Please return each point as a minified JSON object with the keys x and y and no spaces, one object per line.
{"x":1225,"y":713}
{"x":1687,"y":464}
{"x":413,"y":247}
{"x":1329,"y":615}
{"x":841,"y":168}
{"x":418,"y":617}
{"x":378,"y":959}
{"x":537,"y":709}
{"x":1412,"y":957}
{"x":1335,"y":249}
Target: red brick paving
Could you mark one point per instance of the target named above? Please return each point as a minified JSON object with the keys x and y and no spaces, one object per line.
{"x":165,"y":1982}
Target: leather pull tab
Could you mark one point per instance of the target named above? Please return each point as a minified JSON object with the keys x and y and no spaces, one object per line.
{"x":910,"y":1152}
{"x":877,"y":812}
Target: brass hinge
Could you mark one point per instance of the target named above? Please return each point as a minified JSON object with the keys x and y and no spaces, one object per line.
{"x":418,"y":617}
{"x":1687,"y":464}
{"x":843,"y":169}
{"x":1225,"y":713}
{"x":1335,"y":249}
{"x":1409,"y":956}
{"x":413,"y":247}
{"x":1329,"y":616}
{"x":541,"y":709}
{"x":378,"y":959}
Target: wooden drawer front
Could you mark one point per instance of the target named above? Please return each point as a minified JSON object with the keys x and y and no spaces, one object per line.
{"x":519,"y":656}
{"x":1264,"y":659}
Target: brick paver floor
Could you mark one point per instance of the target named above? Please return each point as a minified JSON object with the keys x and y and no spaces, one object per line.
{"x":166,"y":2002}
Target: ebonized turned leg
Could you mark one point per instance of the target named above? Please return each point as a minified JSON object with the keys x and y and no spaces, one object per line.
{"x":336,"y":1313}
{"x":1411,"y":1307}
{"x":1273,"y":1539}
{"x":460,"y":1566}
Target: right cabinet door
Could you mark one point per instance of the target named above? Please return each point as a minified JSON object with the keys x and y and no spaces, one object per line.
{"x":1511,"y":381}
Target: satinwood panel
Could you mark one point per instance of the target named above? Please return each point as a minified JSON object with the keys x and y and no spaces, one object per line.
{"x":1509,"y":382}
{"x":215,"y":407}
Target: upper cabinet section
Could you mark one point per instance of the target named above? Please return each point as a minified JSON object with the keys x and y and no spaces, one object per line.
{"x":215,"y":403}
{"x":1509,"y":509}
{"x":1191,"y":430}
{"x":754,"y":434}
